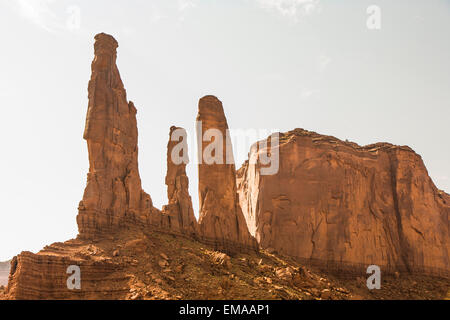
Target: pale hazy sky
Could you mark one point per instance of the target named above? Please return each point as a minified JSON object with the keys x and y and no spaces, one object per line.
{"x":280,"y":64}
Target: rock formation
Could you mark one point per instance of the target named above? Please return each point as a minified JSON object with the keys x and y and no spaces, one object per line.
{"x":331,"y":202}
{"x":221,"y":220}
{"x":338,"y":204}
{"x":114,"y":204}
{"x":113,"y":191}
{"x":180,"y":204}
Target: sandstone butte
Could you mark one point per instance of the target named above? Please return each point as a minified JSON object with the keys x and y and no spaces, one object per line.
{"x":341,"y":205}
{"x":332,"y":204}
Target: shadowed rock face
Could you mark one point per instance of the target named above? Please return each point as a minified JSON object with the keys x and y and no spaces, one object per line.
{"x":334,"y":201}
{"x":180,"y":204}
{"x":113,"y":189}
{"x":221,"y":220}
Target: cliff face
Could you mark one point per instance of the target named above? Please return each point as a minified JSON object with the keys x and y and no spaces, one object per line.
{"x":221,"y":220}
{"x":336,"y":203}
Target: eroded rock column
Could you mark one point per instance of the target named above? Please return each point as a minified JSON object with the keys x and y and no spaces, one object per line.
{"x":113,"y":189}
{"x":180,"y":208}
{"x":221,"y":219}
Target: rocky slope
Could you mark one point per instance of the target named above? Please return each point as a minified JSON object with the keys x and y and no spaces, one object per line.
{"x":151,"y":265}
{"x":344,"y":206}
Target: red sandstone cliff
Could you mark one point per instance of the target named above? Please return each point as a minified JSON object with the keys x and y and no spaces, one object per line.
{"x":340,"y":204}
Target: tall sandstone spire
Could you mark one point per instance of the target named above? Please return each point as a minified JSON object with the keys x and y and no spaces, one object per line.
{"x":113,"y":191}
{"x":221,"y":220}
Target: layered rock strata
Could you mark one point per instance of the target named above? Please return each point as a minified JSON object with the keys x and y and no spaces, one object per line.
{"x":45,"y":275}
{"x":337,"y":203}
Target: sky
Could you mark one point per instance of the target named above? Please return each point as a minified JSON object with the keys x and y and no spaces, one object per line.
{"x":343,"y":68}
